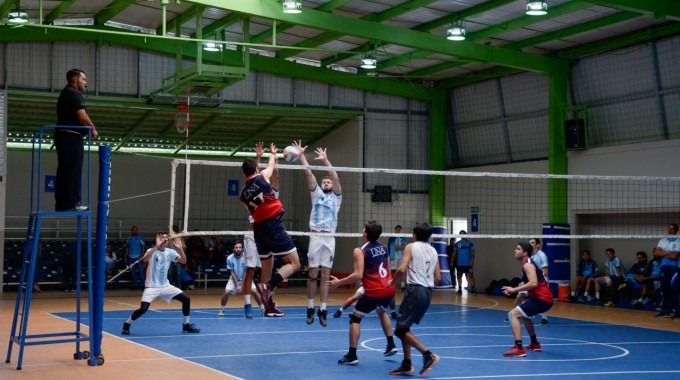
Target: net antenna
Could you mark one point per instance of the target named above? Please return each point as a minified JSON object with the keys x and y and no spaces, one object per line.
{"x":183,"y":123}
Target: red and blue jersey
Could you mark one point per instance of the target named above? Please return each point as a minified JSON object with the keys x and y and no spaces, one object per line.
{"x":542,"y":291}
{"x":376,"y":270}
{"x":260,"y":198}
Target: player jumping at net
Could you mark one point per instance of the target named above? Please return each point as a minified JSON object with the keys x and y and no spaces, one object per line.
{"x":236,"y":264}
{"x":420,"y":264}
{"x":539,"y":300}
{"x":326,"y":201}
{"x":371,"y":265}
{"x":271,"y":237}
{"x":157,"y":284}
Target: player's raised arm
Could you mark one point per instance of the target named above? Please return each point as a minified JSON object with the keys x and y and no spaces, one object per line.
{"x":323,"y":157}
{"x":271,"y":164}
{"x":311,"y":180}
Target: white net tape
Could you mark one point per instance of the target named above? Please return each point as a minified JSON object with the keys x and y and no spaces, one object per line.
{"x":205,"y":201}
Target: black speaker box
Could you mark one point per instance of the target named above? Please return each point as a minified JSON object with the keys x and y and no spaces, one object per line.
{"x":575,"y":134}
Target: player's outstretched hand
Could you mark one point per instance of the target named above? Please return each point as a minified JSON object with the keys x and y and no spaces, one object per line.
{"x":272,"y":148}
{"x":298,"y":145}
{"x":259,"y":149}
{"x":333,"y":282}
{"x":321,"y":154}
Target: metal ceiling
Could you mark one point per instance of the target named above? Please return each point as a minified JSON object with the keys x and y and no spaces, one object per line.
{"x":329,"y":38}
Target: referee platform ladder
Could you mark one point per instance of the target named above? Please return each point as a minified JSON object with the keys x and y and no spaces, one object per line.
{"x":19,"y":334}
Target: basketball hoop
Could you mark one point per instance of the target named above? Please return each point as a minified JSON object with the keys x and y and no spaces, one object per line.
{"x":182,"y":118}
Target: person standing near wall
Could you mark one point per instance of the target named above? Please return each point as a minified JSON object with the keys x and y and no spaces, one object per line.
{"x":464,"y":261}
{"x":133,"y":251}
{"x":326,"y":201}
{"x":69,"y":142}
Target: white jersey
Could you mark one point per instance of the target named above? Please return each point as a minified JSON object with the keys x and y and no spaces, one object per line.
{"x":420,"y":270}
{"x":325,"y":209}
{"x":157,"y":268}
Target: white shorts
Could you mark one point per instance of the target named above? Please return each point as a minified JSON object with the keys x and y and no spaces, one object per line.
{"x":250,"y":249}
{"x":166,"y":293}
{"x":394,"y":264}
{"x":231,"y":287}
{"x":321,"y":251}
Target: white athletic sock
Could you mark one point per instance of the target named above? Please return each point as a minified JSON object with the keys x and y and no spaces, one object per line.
{"x":129,"y":320}
{"x":247,"y":299}
{"x":186,"y":319}
{"x":310,"y":303}
{"x":573,"y":294}
{"x":342,"y":308}
{"x":323,"y":306}
{"x":597,"y":295}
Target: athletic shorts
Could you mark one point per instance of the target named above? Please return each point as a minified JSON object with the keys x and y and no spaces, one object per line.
{"x":251,"y":257}
{"x":414,"y":305}
{"x":365,"y":305}
{"x":321,"y":251}
{"x":272,"y":239}
{"x":231,"y":287}
{"x":394,"y":264}
{"x":166,"y":293}
{"x":462,"y":269}
{"x":533,"y":306}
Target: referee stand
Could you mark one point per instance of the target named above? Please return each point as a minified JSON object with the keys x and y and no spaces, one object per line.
{"x":95,"y":284}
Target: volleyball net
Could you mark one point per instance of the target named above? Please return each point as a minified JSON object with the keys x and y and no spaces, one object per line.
{"x":205,"y":201}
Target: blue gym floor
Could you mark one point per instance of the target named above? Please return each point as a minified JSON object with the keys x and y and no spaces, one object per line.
{"x":469,"y":340}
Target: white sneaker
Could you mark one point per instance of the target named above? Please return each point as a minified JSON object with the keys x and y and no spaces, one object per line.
{"x":220,"y":313}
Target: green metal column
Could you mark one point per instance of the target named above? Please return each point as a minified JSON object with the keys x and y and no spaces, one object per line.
{"x":437,"y":157}
{"x":557,"y":155}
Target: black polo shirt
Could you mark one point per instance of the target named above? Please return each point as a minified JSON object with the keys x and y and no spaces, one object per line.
{"x":70,"y":101}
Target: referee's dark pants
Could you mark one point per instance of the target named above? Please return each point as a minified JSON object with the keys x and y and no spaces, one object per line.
{"x":69,"y":169}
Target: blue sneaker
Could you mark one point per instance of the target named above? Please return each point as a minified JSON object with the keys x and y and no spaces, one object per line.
{"x":248,"y":311}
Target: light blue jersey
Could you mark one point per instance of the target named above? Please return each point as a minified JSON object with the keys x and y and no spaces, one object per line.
{"x":540,"y":259}
{"x":237,"y":265}
{"x":157,"y":269}
{"x":325,"y":209}
{"x":613,"y":264}
{"x":669,"y":245}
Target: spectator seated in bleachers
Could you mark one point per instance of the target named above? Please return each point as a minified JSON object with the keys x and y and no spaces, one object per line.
{"x":635,"y":276}
{"x":587,"y":269}
{"x":650,"y":285}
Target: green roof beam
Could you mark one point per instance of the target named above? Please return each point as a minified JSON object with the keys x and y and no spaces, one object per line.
{"x":660,"y":9}
{"x":180,"y":19}
{"x":480,"y":8}
{"x":281,"y":26}
{"x":390,"y":34}
{"x":387,"y":14}
{"x":111,"y":10}
{"x":58,"y":11}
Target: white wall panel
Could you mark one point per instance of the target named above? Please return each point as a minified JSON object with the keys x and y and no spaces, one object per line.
{"x":74,"y":55}
{"x":118,"y":70}
{"x":154,"y":67}
{"x":668,"y":54}
{"x":343,"y":97}
{"x":528,"y":137}
{"x":523,"y":93}
{"x":273,"y":89}
{"x":385,"y":102}
{"x":29,"y":65}
{"x":308,"y":93}
{"x":476,"y":102}
{"x":242,"y":91}
{"x":625,"y":122}
{"x":481,"y":144}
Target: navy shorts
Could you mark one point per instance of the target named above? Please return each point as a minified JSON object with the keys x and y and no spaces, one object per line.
{"x":414,"y":305}
{"x":365,"y":305}
{"x":271,"y":238}
{"x":534,"y":306}
{"x":463,"y":269}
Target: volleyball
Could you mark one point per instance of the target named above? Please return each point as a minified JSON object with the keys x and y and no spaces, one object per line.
{"x":291,"y":154}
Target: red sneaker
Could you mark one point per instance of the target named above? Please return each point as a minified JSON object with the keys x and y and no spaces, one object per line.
{"x":272,"y":311}
{"x":534,"y":347}
{"x":265,"y":293}
{"x":515,"y":351}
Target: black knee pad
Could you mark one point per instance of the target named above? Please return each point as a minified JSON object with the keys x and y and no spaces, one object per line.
{"x":354,"y":319}
{"x":400,"y":331}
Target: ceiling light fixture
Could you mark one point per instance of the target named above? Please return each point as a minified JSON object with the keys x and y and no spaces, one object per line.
{"x":456,"y":32}
{"x":292,"y":6}
{"x":537,"y":8}
{"x":212,"y":46}
{"x":369,"y":62}
{"x":17,"y":16}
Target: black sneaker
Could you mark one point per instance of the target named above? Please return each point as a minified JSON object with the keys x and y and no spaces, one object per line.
{"x":390,"y":350}
{"x":322,"y":317}
{"x":429,"y":363}
{"x":126,"y":329}
{"x":472,"y":291}
{"x":190,"y":328}
{"x":337,"y":314}
{"x":347,"y":360}
{"x":459,"y":291}
{"x":663,"y":315}
{"x":310,"y":315}
{"x":403,"y":370}
{"x":544,"y":321}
